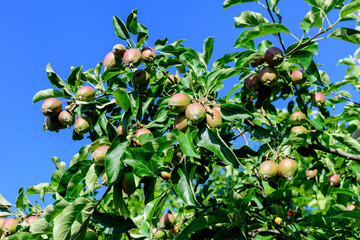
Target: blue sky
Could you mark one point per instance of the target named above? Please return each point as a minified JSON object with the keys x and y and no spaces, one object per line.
{"x":73,"y":33}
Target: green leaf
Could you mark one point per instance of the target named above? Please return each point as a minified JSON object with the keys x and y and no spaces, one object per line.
{"x":131,"y":22}
{"x":344,"y":191}
{"x":74,"y":78}
{"x":355,"y":214}
{"x":3,"y":201}
{"x":229,"y":3}
{"x":217,"y":76}
{"x":155,"y":206}
{"x":249,"y":19}
{"x":54,"y":79}
{"x":48,"y":93}
{"x":259,"y":31}
{"x":160,"y":43}
{"x":205,"y":220}
{"x":119,"y":201}
{"x":22,"y":201}
{"x":122,"y":98}
{"x":120,"y":28}
{"x":208,"y":49}
{"x":41,"y":226}
{"x":114,"y":157}
{"x":318,"y":122}
{"x":186,"y":141}
{"x":233,"y":111}
{"x":183,"y":186}
{"x":215,"y":144}
{"x":111,"y":223}
{"x":92,"y":176}
{"x":346,"y":34}
{"x":142,"y":163}
{"x":351,"y":7}
{"x":23,"y":236}
{"x":348,"y":142}
{"x":281,"y":195}
{"x":314,"y":18}
{"x":68,"y":222}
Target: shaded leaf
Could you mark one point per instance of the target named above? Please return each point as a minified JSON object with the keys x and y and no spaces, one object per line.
{"x":229,"y":3}
{"x":131,"y":22}
{"x":182,"y":185}
{"x":120,"y":28}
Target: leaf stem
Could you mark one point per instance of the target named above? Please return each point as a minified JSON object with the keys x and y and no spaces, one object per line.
{"x":8,"y":208}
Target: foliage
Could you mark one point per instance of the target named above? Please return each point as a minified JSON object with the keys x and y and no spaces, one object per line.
{"x":204,"y":176}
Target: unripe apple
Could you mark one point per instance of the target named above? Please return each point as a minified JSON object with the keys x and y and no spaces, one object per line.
{"x":318,"y":99}
{"x":51,"y":107}
{"x":98,"y":155}
{"x":2,"y":220}
{"x":181,"y":123}
{"x":9,"y":226}
{"x":297,"y":118}
{"x":31,"y":219}
{"x":311,"y":173}
{"x":334,"y":179}
{"x":121,"y":130}
{"x":159,"y":233}
{"x":299,"y":130}
{"x":298,"y":77}
{"x":167,"y":221}
{"x":287,"y":168}
{"x":252,"y":82}
{"x":52,"y":124}
{"x":179,"y":102}
{"x":165,"y":175}
{"x":83,"y":125}
{"x":268,"y":170}
{"x":119,"y":50}
{"x":128,"y":183}
{"x":214,"y":119}
{"x":350,"y":207}
{"x":274,"y":56}
{"x":66,"y":118}
{"x":195,"y":113}
{"x":257,"y":61}
{"x":291,"y":213}
{"x":278,"y":220}
{"x":171,"y":79}
{"x":268,"y":76}
{"x":148,"y":54}
{"x":90,"y":235}
{"x":140,"y":80}
{"x":85,"y":94}
{"x":109,"y":61}
{"x":132,"y":57}
{"x":138,"y":133}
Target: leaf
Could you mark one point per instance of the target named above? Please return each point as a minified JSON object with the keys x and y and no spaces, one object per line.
{"x":122,"y":98}
{"x":281,"y":195}
{"x":249,"y":19}
{"x":3,"y":201}
{"x":215,"y":144}
{"x":119,"y":202}
{"x":92,"y":177}
{"x":348,"y":142}
{"x":355,"y":214}
{"x":205,"y":220}
{"x":142,"y":163}
{"x":219,"y":75}
{"x":346,"y":34}
{"x":351,"y":7}
{"x":74,"y":78}
{"x":114,"y":157}
{"x":208,"y":49}
{"x":186,"y":141}
{"x":48,"y":93}
{"x":112,"y":223}
{"x":318,"y":122}
{"x":41,"y":226}
{"x":120,"y":28}
{"x":314,"y":18}
{"x":344,"y":191}
{"x":23,"y":236}
{"x":160,"y":43}
{"x":131,"y":22}
{"x":229,"y":3}
{"x":68,"y":222}
{"x":183,"y":186}
{"x":259,"y":31}
{"x":54,"y":79}
{"x":233,"y":111}
{"x":155,"y":206}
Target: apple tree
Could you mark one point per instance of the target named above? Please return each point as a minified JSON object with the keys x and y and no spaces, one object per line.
{"x":171,"y":158}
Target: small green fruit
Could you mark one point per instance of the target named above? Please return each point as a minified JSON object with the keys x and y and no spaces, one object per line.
{"x":298,"y":77}
{"x":159,"y":233}
{"x":140,"y":80}
{"x":274,"y":56}
{"x":90,"y":235}
{"x":165,"y":175}
{"x":128,"y":183}
{"x":148,"y":54}
{"x":167,"y":221}
{"x":252,"y":82}
{"x":52,"y":124}
{"x":181,"y":123}
{"x":119,"y":50}
{"x":297,"y":118}
{"x":179,"y":102}
{"x":110,"y":61}
{"x":9,"y":226}
{"x":98,"y":155}
{"x":299,"y":130}
{"x":83,"y":125}
{"x":318,"y":99}
{"x":268,"y":76}
{"x":51,"y":107}
{"x":195,"y":113}
{"x":66,"y":118}
{"x":334,"y":179}
{"x":311,"y":173}
{"x":268,"y":170}
{"x":287,"y":168}
{"x":85,"y":94}
{"x":132,"y":58}
{"x":214,"y":119}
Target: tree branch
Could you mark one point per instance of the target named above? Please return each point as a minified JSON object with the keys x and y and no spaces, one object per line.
{"x":273,"y":19}
{"x":91,"y":212}
{"x":336,"y":152}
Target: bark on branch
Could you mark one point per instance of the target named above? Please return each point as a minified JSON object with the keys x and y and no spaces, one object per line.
{"x":336,"y":152}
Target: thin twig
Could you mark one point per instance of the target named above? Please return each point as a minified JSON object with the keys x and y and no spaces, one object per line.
{"x":8,"y":208}
{"x":280,"y":40}
{"x":91,"y":212}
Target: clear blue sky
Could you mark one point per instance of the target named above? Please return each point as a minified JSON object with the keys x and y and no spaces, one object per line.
{"x":73,"y":33}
